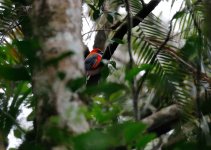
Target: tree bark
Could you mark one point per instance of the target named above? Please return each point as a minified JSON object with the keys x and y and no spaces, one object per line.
{"x":122,"y":30}
{"x":162,"y":121}
{"x":2,"y":146}
{"x":57,"y":25}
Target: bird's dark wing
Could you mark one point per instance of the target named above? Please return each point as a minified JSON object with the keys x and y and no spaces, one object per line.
{"x":90,"y":61}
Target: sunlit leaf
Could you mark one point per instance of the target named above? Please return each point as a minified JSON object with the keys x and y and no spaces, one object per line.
{"x":117,"y":96}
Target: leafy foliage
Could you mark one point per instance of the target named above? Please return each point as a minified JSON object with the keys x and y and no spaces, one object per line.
{"x":166,"y":70}
{"x":128,"y":133}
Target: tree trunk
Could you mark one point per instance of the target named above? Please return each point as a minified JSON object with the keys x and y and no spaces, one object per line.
{"x":57,"y":25}
{"x":2,"y":146}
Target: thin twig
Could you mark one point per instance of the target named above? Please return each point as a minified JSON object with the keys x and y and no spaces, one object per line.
{"x":129,"y":25}
{"x":96,"y":31}
{"x":131,"y":62}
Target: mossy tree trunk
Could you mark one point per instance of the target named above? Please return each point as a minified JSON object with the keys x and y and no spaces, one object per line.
{"x":57,"y":26}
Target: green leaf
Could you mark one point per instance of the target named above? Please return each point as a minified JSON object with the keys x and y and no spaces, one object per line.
{"x":55,"y":61}
{"x":116,"y":13}
{"x":61,"y":75}
{"x":116,"y":96}
{"x":127,"y":133}
{"x":14,"y":73}
{"x":96,"y":14}
{"x":110,"y":18}
{"x":113,"y":63}
{"x":100,"y":3}
{"x":119,"y":41}
{"x":133,"y":130}
{"x":178,"y":15}
{"x":93,"y":140}
{"x":31,"y":116}
{"x":103,"y":115}
{"x":17,"y":133}
{"x":99,"y":99}
{"x":28,"y":48}
{"x":191,"y":48}
{"x":104,"y":72}
{"x":76,"y":83}
{"x":2,"y":54}
{"x":142,"y":142}
{"x":134,"y":71}
{"x":105,"y":87}
{"x":57,"y":134}
{"x":92,"y":7}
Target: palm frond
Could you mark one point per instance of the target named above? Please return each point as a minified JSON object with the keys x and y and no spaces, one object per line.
{"x":8,"y":21}
{"x":10,"y":104}
{"x":167,"y":75}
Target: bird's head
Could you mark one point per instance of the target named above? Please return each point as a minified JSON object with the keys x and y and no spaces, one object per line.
{"x":97,"y":50}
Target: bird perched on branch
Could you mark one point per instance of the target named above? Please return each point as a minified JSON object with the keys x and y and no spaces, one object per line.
{"x":92,"y":62}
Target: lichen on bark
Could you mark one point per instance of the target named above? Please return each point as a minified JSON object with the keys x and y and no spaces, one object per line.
{"x":57,"y":25}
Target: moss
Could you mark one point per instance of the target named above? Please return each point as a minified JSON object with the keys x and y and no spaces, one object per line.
{"x":61,"y":75}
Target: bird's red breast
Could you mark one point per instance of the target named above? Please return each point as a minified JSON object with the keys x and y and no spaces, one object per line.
{"x":92,"y":61}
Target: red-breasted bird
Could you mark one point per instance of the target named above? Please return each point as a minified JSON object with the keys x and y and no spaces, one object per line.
{"x":92,"y":62}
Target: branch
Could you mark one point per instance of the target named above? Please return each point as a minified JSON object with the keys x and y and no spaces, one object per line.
{"x":100,"y":40}
{"x":163,"y":120}
{"x":123,"y":28}
{"x":101,"y":36}
{"x":96,"y":30}
{"x":129,"y":25}
{"x":131,"y":62}
{"x":172,"y":141}
{"x":2,"y":141}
